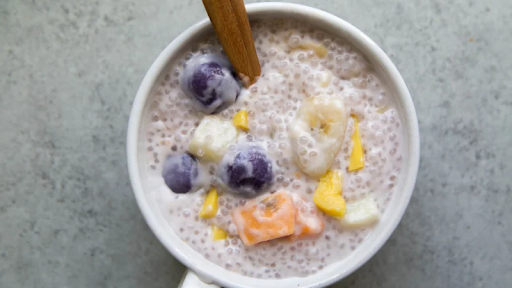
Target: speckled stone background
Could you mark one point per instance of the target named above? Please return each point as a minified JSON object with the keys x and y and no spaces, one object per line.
{"x":69,"y":71}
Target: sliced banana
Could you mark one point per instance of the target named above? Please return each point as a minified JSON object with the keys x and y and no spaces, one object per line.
{"x":317,"y":133}
{"x":360,"y":214}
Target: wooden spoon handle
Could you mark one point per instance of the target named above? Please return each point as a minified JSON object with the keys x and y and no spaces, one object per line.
{"x":230,"y":21}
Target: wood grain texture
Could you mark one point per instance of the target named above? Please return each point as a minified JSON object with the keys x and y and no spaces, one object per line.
{"x":230,"y":21}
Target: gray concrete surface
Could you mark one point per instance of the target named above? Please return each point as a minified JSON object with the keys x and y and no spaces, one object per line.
{"x":69,"y":71}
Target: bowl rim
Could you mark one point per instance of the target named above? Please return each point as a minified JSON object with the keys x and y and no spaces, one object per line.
{"x":310,"y":13}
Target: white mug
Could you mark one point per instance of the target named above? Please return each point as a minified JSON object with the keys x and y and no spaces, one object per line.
{"x":207,"y":274}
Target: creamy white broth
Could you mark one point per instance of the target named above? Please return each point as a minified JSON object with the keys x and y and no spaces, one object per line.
{"x":290,"y":74}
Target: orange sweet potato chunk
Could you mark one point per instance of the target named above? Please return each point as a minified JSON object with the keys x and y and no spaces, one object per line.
{"x":308,"y":223}
{"x":265,"y":218}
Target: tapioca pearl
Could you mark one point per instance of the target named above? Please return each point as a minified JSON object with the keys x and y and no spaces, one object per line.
{"x":282,"y":127}
{"x":220,"y":200}
{"x":368,"y":77}
{"x":302,"y":151}
{"x":329,"y":57}
{"x":314,"y":62}
{"x":383,"y":119}
{"x":271,"y":146}
{"x":341,"y":60}
{"x":301,"y":57}
{"x":379,"y":136}
{"x":177,"y":138}
{"x":380,"y":101}
{"x":359,"y":83}
{"x":328,"y":44}
{"x":262,"y":130}
{"x":253,"y":126}
{"x":354,"y":98}
{"x":375,"y":127}
{"x":294,"y":42}
{"x":280,"y":179}
{"x":319,"y":36}
{"x":155,"y":117}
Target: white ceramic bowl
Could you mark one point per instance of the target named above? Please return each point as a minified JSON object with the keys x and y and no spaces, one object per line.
{"x":211,"y":273}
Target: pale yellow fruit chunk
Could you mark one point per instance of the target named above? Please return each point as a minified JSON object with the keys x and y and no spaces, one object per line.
{"x":210,"y":205}
{"x":328,"y":194}
{"x":357,"y":155}
{"x":383,"y":109}
{"x":241,"y":121}
{"x":360,"y":214}
{"x":218,"y":233}
{"x":211,"y":138}
{"x":319,"y":49}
